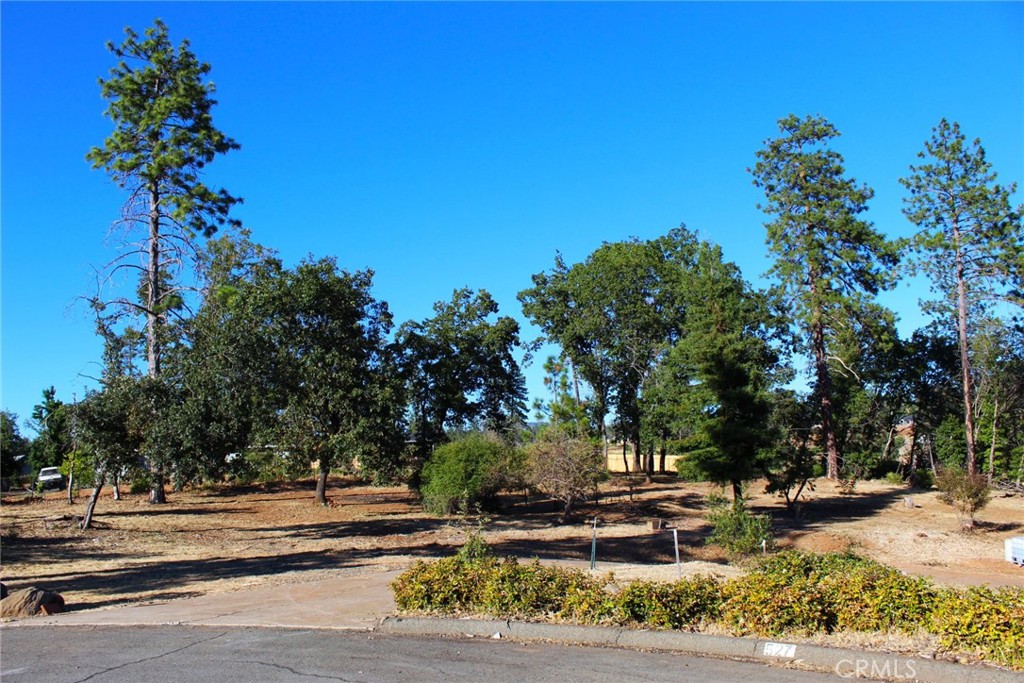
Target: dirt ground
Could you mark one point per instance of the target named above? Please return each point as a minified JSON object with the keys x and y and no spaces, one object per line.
{"x":225,"y":539}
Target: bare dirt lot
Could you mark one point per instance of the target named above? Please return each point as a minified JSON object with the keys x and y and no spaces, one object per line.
{"x":225,"y":539}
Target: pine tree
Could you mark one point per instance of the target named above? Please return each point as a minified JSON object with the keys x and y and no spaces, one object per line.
{"x":970,"y":243}
{"x":828,"y":260}
{"x":163,"y":138}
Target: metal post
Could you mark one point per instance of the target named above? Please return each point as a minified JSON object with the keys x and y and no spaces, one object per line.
{"x":679,"y":567}
{"x":593,"y":548}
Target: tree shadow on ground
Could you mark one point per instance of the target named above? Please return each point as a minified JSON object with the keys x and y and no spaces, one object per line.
{"x":654,"y":547}
{"x":544,"y":511}
{"x":51,"y":551}
{"x":157,"y":511}
{"x":819,"y":513}
{"x":166,"y":575}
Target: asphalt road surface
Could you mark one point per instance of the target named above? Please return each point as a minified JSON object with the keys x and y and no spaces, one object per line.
{"x":226,"y":655}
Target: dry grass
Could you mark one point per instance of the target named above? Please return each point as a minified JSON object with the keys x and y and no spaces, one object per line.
{"x":224,"y":539}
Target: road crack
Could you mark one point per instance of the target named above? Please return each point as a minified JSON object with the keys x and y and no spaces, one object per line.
{"x":302,"y":673}
{"x":150,"y":659}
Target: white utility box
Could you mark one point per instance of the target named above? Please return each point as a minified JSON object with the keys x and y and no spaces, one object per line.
{"x":1015,"y":550}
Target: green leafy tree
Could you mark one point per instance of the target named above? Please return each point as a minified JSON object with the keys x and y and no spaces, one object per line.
{"x":829,"y":261}
{"x":560,"y":305}
{"x":566,"y":409}
{"x":51,"y":421}
{"x":930,"y":368}
{"x":340,"y":377}
{"x":999,"y":365}
{"x":163,"y":139}
{"x":226,"y":371}
{"x":790,"y":462}
{"x":970,"y":243}
{"x":460,"y":368}
{"x":614,"y":316}
{"x":111,"y":429}
{"x":12,"y":443}
{"x":870,"y":373}
{"x":669,"y":405}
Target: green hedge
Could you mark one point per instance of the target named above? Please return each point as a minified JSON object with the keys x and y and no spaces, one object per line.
{"x":788,"y":593}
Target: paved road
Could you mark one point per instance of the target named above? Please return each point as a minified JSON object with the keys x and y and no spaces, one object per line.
{"x":229,"y":655}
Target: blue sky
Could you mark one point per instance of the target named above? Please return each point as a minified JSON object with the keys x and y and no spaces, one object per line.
{"x":449,"y":145}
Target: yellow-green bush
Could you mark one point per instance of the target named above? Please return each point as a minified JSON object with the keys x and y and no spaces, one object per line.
{"x":448,"y":585}
{"x":770,"y":605}
{"x":879,"y":598}
{"x":984,"y":621}
{"x":587,"y":600}
{"x":788,"y":593}
{"x":686,"y":604}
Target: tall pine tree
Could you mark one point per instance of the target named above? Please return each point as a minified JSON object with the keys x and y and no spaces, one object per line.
{"x":970,"y":243}
{"x":163,"y":138}
{"x":829,"y":261}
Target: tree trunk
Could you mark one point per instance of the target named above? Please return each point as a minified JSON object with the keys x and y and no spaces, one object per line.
{"x":91,"y":506}
{"x":638,"y":465}
{"x":662,"y":455}
{"x":116,"y":484}
{"x":824,"y":382}
{"x":737,"y":491}
{"x":649,"y":460}
{"x":992,"y":448}
{"x":157,"y":495}
{"x":566,"y":511}
{"x":71,"y":483}
{"x":153,"y":284}
{"x":625,"y":457}
{"x":888,"y":444}
{"x":321,"y":481}
{"x":965,"y":357}
{"x":913,"y":455}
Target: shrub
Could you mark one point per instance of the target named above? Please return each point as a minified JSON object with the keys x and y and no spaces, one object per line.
{"x":865,"y":464}
{"x":786,"y":593}
{"x":511,"y":589}
{"x":986,"y":622}
{"x":968,"y":493}
{"x":688,"y":603}
{"x":450,"y":585}
{"x":792,"y":564}
{"x":923,"y":478}
{"x":879,"y":598}
{"x":468,"y":472}
{"x":475,"y":582}
{"x":771,"y":605}
{"x":141,"y":483}
{"x":567,"y":468}
{"x":894,"y":478}
{"x":735,"y":528}
{"x":586,"y":600}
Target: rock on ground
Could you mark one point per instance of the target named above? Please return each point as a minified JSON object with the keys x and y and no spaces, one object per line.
{"x":28,"y":602}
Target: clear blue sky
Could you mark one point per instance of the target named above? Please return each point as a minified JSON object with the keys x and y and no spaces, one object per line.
{"x":449,"y":145}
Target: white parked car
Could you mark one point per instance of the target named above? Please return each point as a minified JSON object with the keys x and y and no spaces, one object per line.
{"x":50,"y":478}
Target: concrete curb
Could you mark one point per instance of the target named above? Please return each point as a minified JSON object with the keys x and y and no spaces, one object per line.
{"x":849,"y":664}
